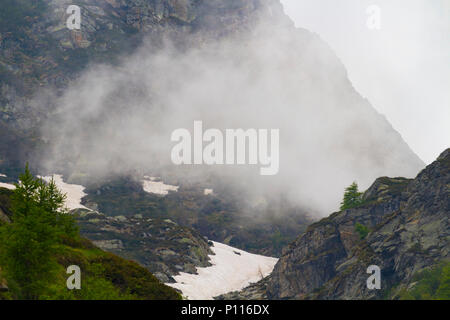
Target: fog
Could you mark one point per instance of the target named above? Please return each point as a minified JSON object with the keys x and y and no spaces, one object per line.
{"x":403,"y":68}
{"x":119,"y":119}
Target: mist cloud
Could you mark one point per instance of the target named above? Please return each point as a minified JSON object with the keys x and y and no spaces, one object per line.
{"x":119,"y":119}
{"x":403,"y":68}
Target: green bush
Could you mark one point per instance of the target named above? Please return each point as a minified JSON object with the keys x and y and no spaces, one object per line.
{"x":362,"y":230}
{"x":432,"y":284}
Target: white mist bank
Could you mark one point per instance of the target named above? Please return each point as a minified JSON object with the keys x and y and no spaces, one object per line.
{"x":116,"y":120}
{"x":232,"y":270}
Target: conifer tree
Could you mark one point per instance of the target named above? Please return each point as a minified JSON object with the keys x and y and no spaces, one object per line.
{"x":352,"y":197}
{"x":29,"y":244}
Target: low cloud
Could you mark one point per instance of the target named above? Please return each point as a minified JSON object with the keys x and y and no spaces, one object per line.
{"x":119,"y":119}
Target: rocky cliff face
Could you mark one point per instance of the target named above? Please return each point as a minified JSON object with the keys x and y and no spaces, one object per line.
{"x":408,"y":224}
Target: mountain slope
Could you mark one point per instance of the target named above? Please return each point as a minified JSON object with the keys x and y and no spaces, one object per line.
{"x":104,"y":275}
{"x":160,"y":245}
{"x":409,"y":229}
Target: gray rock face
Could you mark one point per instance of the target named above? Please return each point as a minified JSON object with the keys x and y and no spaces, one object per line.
{"x":409,"y":229}
{"x":162,"y":247}
{"x":113,"y":244}
{"x":255,"y":291}
{"x":55,"y":55}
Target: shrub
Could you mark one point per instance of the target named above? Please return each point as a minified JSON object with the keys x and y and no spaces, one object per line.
{"x":362,"y":230}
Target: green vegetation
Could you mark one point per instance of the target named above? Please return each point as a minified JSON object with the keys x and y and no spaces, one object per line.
{"x":29,"y":243}
{"x":362,"y":230}
{"x":432,"y":284}
{"x":352,"y":197}
{"x":42,"y":240}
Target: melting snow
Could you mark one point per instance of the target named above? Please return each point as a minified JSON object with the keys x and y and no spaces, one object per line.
{"x":7,"y":186}
{"x":150,"y":185}
{"x":74,"y":192}
{"x":232,"y":269}
{"x":208,"y":191}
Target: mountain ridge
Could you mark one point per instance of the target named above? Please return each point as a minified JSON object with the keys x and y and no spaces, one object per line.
{"x":408,"y":232}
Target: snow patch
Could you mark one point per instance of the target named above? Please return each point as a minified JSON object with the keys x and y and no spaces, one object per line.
{"x":232,"y":270}
{"x":74,"y":192}
{"x":151,"y":185}
{"x":7,"y":186}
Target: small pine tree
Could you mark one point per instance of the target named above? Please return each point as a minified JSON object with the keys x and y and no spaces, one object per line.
{"x":352,"y":197}
{"x":29,"y":244}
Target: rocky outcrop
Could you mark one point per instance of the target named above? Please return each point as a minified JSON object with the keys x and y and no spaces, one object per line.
{"x":255,"y":291}
{"x":408,"y":224}
{"x":160,"y":245}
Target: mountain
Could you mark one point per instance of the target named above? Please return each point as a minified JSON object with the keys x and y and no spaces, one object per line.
{"x":248,"y":67}
{"x":41,"y":60}
{"x":405,"y":233}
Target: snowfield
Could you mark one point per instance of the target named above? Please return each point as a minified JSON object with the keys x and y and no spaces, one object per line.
{"x":150,"y":185}
{"x":232,"y":269}
{"x":7,"y":186}
{"x":74,"y":192}
{"x":208,"y":191}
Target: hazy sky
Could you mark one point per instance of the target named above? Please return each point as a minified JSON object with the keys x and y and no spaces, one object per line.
{"x":403,"y":68}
